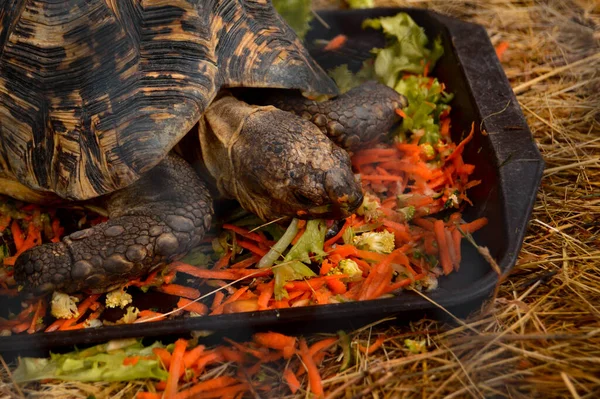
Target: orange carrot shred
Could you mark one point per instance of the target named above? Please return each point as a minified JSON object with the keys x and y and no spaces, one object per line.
{"x":314,"y":378}
{"x":372,"y":347}
{"x":273,"y":340}
{"x":336,"y":43}
{"x":175,"y":368}
{"x":179,"y":290}
{"x":474,"y":225}
{"x":191,"y":306}
{"x":440,"y":236}
{"x":291,"y":380}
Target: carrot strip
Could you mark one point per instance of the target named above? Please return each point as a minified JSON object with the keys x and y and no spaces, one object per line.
{"x":322,"y":345}
{"x":17,"y":234}
{"x":148,"y":395}
{"x":337,"y":286}
{"x":208,"y":358}
{"x":223,"y":261}
{"x":217,"y":300}
{"x":179,"y":290}
{"x":372,"y":348}
{"x":209,"y":385}
{"x":191,"y":306}
{"x":424,"y":223}
{"x":501,"y":49}
{"x":401,"y":113}
{"x":232,"y":298}
{"x":381,"y":177}
{"x":314,"y":378}
{"x":252,"y":248}
{"x":440,"y":236}
{"x":273,"y":340}
{"x":243,"y":232}
{"x":291,"y":380}
{"x":220,"y":393}
{"x":265,"y":296}
{"x":164,"y":356}
{"x":175,"y":368}
{"x":245,"y":263}
{"x":191,"y":357}
{"x":336,"y":43}
{"x":474,"y":225}
{"x":55,"y":325}
{"x":456,"y":237}
{"x":202,"y":273}
{"x":460,"y":147}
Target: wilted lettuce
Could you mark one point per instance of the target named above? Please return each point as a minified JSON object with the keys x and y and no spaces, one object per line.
{"x":293,"y":266}
{"x":93,"y":364}
{"x":406,"y":49}
{"x":426,"y":101}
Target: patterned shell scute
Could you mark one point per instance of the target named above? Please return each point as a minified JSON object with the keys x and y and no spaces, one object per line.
{"x":93,"y":93}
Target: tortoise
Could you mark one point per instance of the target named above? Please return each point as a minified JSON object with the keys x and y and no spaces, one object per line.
{"x":95,"y":96}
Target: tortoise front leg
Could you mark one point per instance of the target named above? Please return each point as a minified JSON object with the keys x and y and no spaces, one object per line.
{"x":152,"y":222}
{"x":362,"y":116}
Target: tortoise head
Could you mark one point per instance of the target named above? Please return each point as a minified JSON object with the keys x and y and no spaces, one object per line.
{"x":277,"y":164}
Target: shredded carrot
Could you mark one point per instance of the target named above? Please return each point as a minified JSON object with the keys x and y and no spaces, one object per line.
{"x":322,"y":345}
{"x":440,"y":236}
{"x":291,"y":380}
{"x":252,"y":248}
{"x":208,"y":385}
{"x":336,"y":43}
{"x":245,"y":263}
{"x":401,"y":113}
{"x":217,"y":299}
{"x":456,"y":237}
{"x":191,"y":357}
{"x":164,"y":356}
{"x":265,"y":296}
{"x":501,"y":49}
{"x":81,"y":309}
{"x":460,"y":147}
{"x":179,"y":290}
{"x":191,"y":306}
{"x":372,"y":347}
{"x":17,"y":234}
{"x":148,"y":395}
{"x":336,"y":286}
{"x":175,"y":368}
{"x":273,"y":340}
{"x":314,"y":378}
{"x":224,"y":261}
{"x":474,"y":225}
{"x":202,"y":273}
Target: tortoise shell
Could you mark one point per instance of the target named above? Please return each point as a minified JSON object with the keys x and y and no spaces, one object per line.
{"x":93,"y":93}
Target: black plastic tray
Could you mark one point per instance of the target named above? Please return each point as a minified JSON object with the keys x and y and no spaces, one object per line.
{"x":506,"y":158}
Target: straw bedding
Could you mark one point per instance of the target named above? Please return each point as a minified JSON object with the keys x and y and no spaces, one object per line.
{"x":540,"y":336}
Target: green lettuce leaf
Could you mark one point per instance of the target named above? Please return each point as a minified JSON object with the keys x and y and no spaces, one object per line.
{"x":426,"y":101}
{"x":311,"y":241}
{"x":297,"y":14}
{"x":293,"y":266}
{"x":346,"y":80}
{"x":406,"y":50}
{"x":93,"y":364}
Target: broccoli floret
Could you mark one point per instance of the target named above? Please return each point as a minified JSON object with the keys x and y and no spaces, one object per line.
{"x":64,"y":306}
{"x":130,"y":316}
{"x":350,"y":268}
{"x":408,"y":212}
{"x":370,"y":208}
{"x":118,"y":297}
{"x":381,"y":242}
{"x":428,"y":151}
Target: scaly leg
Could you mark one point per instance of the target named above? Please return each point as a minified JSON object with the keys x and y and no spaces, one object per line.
{"x":152,"y":222}
{"x":362,"y":116}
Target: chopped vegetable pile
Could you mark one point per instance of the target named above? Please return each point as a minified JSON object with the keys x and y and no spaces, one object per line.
{"x":185,"y":369}
{"x":406,"y":234}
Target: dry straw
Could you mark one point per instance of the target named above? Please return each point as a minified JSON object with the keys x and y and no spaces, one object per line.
{"x":540,"y":337}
